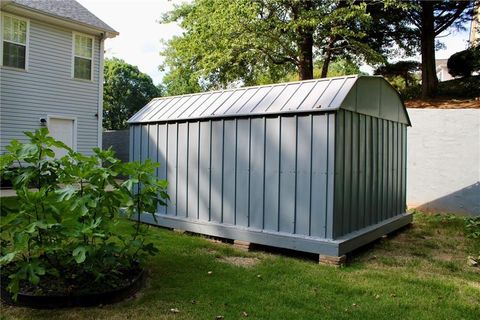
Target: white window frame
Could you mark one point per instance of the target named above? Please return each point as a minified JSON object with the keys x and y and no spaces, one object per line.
{"x":27,"y":40}
{"x":63,"y":117}
{"x":73,"y":55}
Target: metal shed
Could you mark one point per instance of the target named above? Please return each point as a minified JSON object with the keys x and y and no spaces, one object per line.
{"x":316,"y":166}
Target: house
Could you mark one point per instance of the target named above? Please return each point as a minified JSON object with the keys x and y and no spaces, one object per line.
{"x":51,"y":71}
{"x":441,"y":69}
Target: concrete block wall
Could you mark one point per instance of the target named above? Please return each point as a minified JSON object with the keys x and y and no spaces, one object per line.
{"x":443,"y":160}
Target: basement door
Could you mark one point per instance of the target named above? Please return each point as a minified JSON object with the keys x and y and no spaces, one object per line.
{"x":62,"y":129}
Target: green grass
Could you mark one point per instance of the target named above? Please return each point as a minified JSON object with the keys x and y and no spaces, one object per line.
{"x":417,"y":273}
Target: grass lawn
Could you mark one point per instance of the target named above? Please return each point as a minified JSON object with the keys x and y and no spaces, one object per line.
{"x":417,"y":273}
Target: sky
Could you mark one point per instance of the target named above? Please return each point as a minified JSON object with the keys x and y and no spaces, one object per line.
{"x":140,"y":39}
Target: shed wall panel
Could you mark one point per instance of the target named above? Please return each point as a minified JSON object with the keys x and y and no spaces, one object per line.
{"x":264,"y":173}
{"x":320,"y":149}
{"x":204,"y":177}
{"x":257,"y":172}
{"x":162,"y":158}
{"x":272,"y":173}
{"x":172,"y":133}
{"x":303,"y":176}
{"x":229,"y":171}
{"x":193,"y":170}
{"x":287,"y":174}
{"x":368,"y":167}
{"x":242,"y":192}
{"x":217,"y":170}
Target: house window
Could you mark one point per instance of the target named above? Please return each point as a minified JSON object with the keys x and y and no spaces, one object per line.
{"x":82,"y":57}
{"x":14,"y":42}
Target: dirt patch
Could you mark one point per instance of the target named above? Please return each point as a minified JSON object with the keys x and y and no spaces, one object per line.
{"x":241,"y":261}
{"x":444,"y":104}
{"x":210,"y":251}
{"x":444,"y":256}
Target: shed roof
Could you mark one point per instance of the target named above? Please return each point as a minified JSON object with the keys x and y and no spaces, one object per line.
{"x":363,"y":94}
{"x":65,"y":9}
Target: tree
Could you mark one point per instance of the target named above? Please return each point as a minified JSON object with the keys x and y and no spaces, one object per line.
{"x":430,"y":19}
{"x":252,"y":41}
{"x":464,"y":63}
{"x":125,"y":91}
{"x":404,"y":69}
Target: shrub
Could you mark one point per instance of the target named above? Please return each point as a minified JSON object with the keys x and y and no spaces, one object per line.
{"x":464,"y":63}
{"x":66,"y":227}
{"x":472,"y":227}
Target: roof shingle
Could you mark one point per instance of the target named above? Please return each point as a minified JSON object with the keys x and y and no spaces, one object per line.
{"x":66,"y":9}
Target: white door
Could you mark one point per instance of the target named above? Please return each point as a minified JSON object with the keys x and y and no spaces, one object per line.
{"x":62,"y":130}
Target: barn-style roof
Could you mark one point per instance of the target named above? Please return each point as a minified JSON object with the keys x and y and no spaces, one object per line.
{"x":363,"y":94}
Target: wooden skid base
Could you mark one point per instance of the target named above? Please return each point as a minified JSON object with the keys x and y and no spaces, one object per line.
{"x":242,"y":245}
{"x":243,"y":236}
{"x":332,"y":260}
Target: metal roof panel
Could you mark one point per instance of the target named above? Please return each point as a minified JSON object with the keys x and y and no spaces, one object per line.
{"x":316,"y":95}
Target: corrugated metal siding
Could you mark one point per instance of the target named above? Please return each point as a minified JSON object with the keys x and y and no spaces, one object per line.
{"x":370,"y":171}
{"x":263,"y":173}
{"x":47,"y":88}
{"x":325,"y":94}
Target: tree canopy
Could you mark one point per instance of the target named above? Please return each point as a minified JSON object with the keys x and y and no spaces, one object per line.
{"x":250,"y":42}
{"x":125,"y":91}
{"x":404,"y":69}
{"x":258,"y":41}
{"x":464,"y":63}
{"x":430,"y":20}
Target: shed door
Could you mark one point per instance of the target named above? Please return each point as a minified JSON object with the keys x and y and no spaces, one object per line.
{"x":62,"y":130}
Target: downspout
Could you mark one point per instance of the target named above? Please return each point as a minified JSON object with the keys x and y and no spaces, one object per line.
{"x":100,"y":93}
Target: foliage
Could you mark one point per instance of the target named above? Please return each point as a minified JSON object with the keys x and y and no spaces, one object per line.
{"x":410,"y":93}
{"x":472,"y":227}
{"x":337,"y":68}
{"x":468,"y":87}
{"x":429,"y":19}
{"x":125,"y":91}
{"x":463,"y":88}
{"x":405,"y":69}
{"x":67,"y":223}
{"x":262,"y":41}
{"x":464,"y":63}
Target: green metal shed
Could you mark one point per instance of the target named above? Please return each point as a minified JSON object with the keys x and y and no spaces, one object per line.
{"x":316,"y":166}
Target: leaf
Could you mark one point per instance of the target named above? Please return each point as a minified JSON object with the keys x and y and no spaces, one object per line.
{"x":33,"y":271}
{"x":66,"y":193}
{"x":7,"y":258}
{"x":79,"y":253}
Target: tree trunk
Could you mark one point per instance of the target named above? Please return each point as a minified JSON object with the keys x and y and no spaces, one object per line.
{"x":305,"y":66}
{"x":305,"y":42}
{"x":429,"y":76}
{"x":328,"y":58}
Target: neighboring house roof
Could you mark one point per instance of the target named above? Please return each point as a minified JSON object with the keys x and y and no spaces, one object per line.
{"x":66,"y":10}
{"x":303,"y":96}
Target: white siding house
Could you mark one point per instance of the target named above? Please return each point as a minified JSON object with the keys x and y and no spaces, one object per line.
{"x":51,"y":71}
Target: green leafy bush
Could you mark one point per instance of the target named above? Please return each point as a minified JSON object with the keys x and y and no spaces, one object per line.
{"x":463,"y":88}
{"x":64,"y":233}
{"x":472,"y":227}
{"x":464,"y":63}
